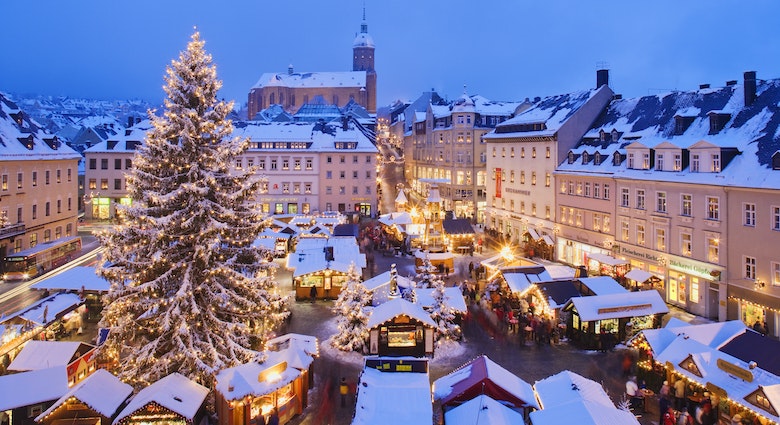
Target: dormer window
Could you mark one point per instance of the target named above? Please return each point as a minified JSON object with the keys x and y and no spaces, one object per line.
{"x":616,"y":159}
{"x":630,"y":164}
{"x":716,"y":163}
{"x":646,"y":161}
{"x":585,"y":157}
{"x":718,"y":120}
{"x":677,"y":162}
{"x":682,"y":123}
{"x":571,"y":157}
{"x":776,"y":161}
{"x":597,"y":158}
{"x":695,"y":163}
{"x":614,"y":135}
{"x":602,"y":136}
{"x":659,"y":162}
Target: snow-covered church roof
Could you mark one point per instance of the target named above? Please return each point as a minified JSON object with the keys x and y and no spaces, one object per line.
{"x":312,"y":79}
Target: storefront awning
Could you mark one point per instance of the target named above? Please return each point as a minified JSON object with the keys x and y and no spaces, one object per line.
{"x":548,"y":240}
{"x":534,"y":235}
{"x":640,"y":275}
{"x":607,"y":259}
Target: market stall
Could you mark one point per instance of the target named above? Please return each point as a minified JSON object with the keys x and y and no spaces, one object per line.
{"x":173,"y":400}
{"x":607,"y":265}
{"x":400,"y":328}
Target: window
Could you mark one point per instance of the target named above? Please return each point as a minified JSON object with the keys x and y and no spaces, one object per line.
{"x":117,"y":164}
{"x":285,"y":164}
{"x":128,"y":164}
{"x":547,"y":153}
{"x":503,"y":152}
{"x":59,"y":206}
{"x":749,"y":218}
{"x":775,"y":274}
{"x":309,"y":165}
{"x":93,"y":184}
{"x":342,"y":190}
{"x":571,"y":187}
{"x":70,"y":204}
{"x":329,"y":174}
{"x":597,"y":222}
{"x":329,"y":159}
{"x":34,"y":211}
{"x":307,"y":187}
{"x":640,"y":234}
{"x":547,"y":179}
{"x":47,"y":179}
{"x":533,"y":152}
{"x":103,"y":184}
{"x":285,"y":187}
{"x":677,"y":162}
{"x":587,"y":189}
{"x":354,"y":174}
{"x":596,"y":190}
{"x":5,"y":182}
{"x":686,"y":205}
{"x":713,"y":212}
{"x":713,"y":249}
{"x":659,"y":161}
{"x":646,"y":161}
{"x":273,"y":167}
{"x":117,"y":184}
{"x":47,"y":209}
{"x":660,"y":202}
{"x":640,"y":199}
{"x":93,"y":164}
{"x":716,"y":163}
{"x":694,"y":163}
{"x":328,"y":190}
{"x":750,"y":267}
{"x":563,"y":186}
{"x":342,"y":174}
{"x":368,"y":174}
{"x":296,"y":188}
{"x":512,"y":152}
{"x":511,"y":176}
{"x":104,"y":164}
{"x":605,"y":225}
{"x":606,"y":191}
{"x":775,"y":218}
{"x":59,"y":176}
{"x":297,"y":164}
{"x":624,"y":196}
{"x":547,"y":212}
{"x":533,"y":178}
{"x":522,"y":176}
{"x":368,"y":190}
{"x":522,"y":153}
{"x":579,"y":188}
{"x":579,"y":218}
{"x":660,"y":239}
{"x":631,"y":160}
{"x":686,"y":243}
{"x":35,"y":178}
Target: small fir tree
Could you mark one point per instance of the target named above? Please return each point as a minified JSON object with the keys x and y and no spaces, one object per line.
{"x":441,"y":313}
{"x":427,"y":274}
{"x":189,"y":293}
{"x":352,"y":313}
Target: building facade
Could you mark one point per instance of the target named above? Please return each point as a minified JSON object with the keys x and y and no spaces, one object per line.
{"x":38,"y":183}
{"x":693,"y":197}
{"x":293,"y":89}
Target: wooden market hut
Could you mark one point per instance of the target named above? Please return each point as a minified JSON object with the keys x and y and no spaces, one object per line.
{"x":460,"y":234}
{"x":443,"y":261}
{"x":323,"y":263}
{"x":172,"y":399}
{"x":607,"y":265}
{"x":482,"y":376}
{"x":77,"y":357}
{"x":599,"y":322}
{"x":23,"y":396}
{"x":638,"y":279}
{"x":93,"y":401}
{"x":400,"y":328}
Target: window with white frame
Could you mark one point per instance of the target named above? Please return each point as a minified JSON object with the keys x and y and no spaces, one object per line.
{"x":597,"y":222}
{"x":640,"y":199}
{"x":677,"y":162}
{"x":660,"y":239}
{"x":533,"y":178}
{"x":571,"y":187}
{"x":713,"y":249}
{"x":563,"y":186}
{"x":624,"y":229}
{"x":640,"y":234}
{"x":686,"y":243}
{"x":547,"y":180}
{"x":606,"y":191}
{"x":659,"y":161}
{"x":695,"y":163}
{"x":522,"y":177}
{"x":686,"y":205}
{"x":646,"y":161}
{"x":587,"y":190}
{"x":596,"y":190}
{"x":749,"y":216}
{"x":775,"y":274}
{"x":775,"y":218}
{"x":716,"y":163}
{"x":660,"y":202}
{"x":579,"y":218}
{"x":750,"y":267}
{"x":713,"y":208}
{"x":624,"y":197}
{"x":630,"y":160}
{"x":605,"y":224}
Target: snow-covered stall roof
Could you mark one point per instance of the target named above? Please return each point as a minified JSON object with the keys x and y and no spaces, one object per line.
{"x":397,"y":307}
{"x":101,"y":391}
{"x":395,"y":218}
{"x":508,"y":388}
{"x":384,"y":279}
{"x":710,"y":334}
{"x":586,"y":412}
{"x":520,"y":279}
{"x":174,"y":392}
{"x":433,"y":256}
{"x":482,"y":410}
{"x":401,"y":198}
{"x":390,"y":398}
{"x":615,"y":306}
{"x":566,"y":387}
{"x":240,"y":381}
{"x":639,"y":275}
{"x":603,"y":285}
{"x":37,"y":386}
{"x":453,"y":298}
{"x":297,"y":350}
{"x":307,"y":343}
{"x":75,"y":279}
{"x":45,"y":354}
{"x":54,"y":307}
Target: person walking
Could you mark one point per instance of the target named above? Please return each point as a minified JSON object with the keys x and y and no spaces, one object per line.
{"x":679,"y":394}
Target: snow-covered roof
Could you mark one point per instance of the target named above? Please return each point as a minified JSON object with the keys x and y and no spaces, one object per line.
{"x":603,"y":285}
{"x":463,"y":379}
{"x":101,"y":391}
{"x":28,"y":388}
{"x":386,"y":398}
{"x":240,"y":381}
{"x":309,"y":255}
{"x":384,"y":279}
{"x":174,"y":392}
{"x":433,"y":256}
{"x":312,"y":79}
{"x":401,"y":198}
{"x":397,"y":307}
{"x":520,"y":279}
{"x":482,"y":410}
{"x":75,"y":279}
{"x":750,"y":132}
{"x":453,"y":298}
{"x":566,"y":387}
{"x":317,"y":137}
{"x":398,"y":218}
{"x":586,"y":412}
{"x":639,"y":275}
{"x":45,"y":354}
{"x":614,"y":306}
{"x":54,"y":306}
{"x":606,"y":259}
{"x":23,"y":139}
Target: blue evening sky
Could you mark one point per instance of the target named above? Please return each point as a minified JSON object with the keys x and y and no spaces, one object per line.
{"x":501,"y":49}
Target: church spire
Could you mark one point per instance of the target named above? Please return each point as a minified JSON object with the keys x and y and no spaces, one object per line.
{"x":364,"y":24}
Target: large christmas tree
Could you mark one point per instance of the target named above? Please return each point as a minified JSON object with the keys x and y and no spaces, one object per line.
{"x":189,"y":293}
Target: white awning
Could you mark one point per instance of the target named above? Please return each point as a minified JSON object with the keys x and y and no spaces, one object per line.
{"x":534,"y":235}
{"x":606,"y":259}
{"x":639,"y":275}
{"x":548,"y":240}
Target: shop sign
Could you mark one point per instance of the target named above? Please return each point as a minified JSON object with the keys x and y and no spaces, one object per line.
{"x":693,"y":269}
{"x":624,"y":308}
{"x":645,"y":255}
{"x":735,"y":370}
{"x":718,"y":391}
{"x":272,"y":372}
{"x":518,"y":191}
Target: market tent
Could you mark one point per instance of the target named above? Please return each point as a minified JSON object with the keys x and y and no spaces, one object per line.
{"x":603,"y":285}
{"x":615,"y":306}
{"x":586,"y":412}
{"x":566,"y":387}
{"x":482,"y":410}
{"x":558,"y":293}
{"x":34,"y":387}
{"x":606,"y":259}
{"x":639,"y":275}
{"x":46,"y":310}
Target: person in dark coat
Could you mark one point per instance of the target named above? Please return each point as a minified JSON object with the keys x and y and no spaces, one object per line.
{"x":274,"y":418}
{"x":313,"y":293}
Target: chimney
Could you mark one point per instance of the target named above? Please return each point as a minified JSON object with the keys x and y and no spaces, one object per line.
{"x":750,"y":87}
{"x":703,"y":86}
{"x":602,"y":78}
{"x":730,"y":83}
{"x":289,"y":69}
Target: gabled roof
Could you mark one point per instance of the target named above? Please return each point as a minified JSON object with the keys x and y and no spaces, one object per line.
{"x":482,"y":410}
{"x":458,"y":226}
{"x":312,"y":79}
{"x":398,"y":307}
{"x":174,"y":392}
{"x":28,"y":388}
{"x":393,"y":398}
{"x":102,"y":392}
{"x":565,"y":387}
{"x":483,"y":376}
{"x":753,"y":347}
{"x":614,"y":306}
{"x":45,"y":354}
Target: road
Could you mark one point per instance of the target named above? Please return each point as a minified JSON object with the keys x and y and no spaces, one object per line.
{"x":391,"y":175}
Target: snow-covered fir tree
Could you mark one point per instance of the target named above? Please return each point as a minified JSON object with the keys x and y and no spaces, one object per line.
{"x":352,"y":313}
{"x":441,"y":313}
{"x":427,"y":273}
{"x":189,"y":293}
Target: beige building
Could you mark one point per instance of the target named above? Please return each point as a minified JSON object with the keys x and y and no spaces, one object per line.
{"x":694,"y":198}
{"x":38,"y":183}
{"x":445,"y":143}
{"x":522,"y":154}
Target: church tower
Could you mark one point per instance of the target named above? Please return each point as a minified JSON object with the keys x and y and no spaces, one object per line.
{"x":363,"y":60}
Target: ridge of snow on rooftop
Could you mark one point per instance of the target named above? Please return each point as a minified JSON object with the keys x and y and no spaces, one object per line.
{"x":11,"y":131}
{"x":312,"y":79}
